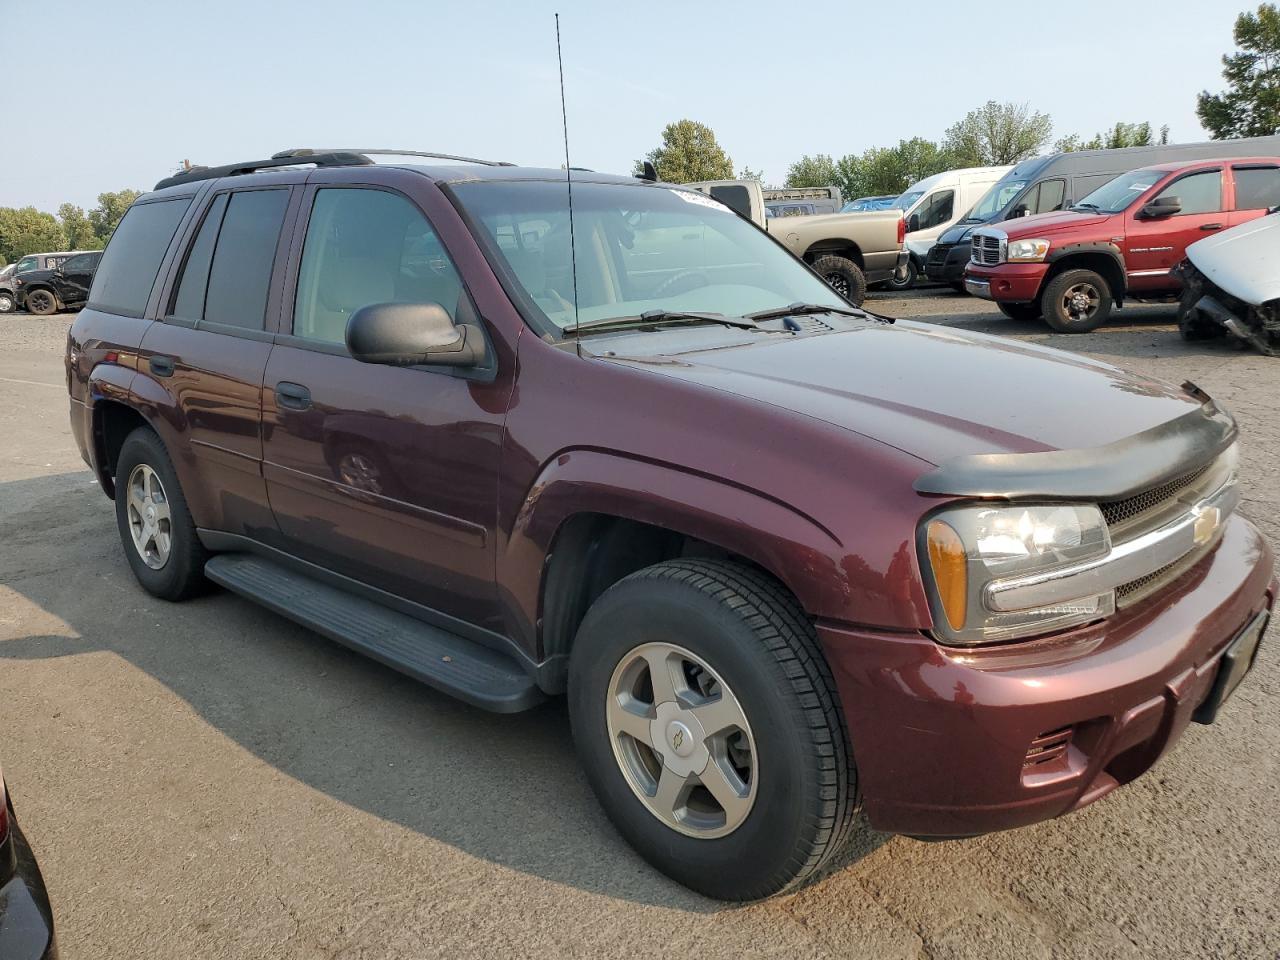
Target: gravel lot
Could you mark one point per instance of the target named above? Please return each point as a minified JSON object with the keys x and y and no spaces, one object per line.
{"x":209,"y":780}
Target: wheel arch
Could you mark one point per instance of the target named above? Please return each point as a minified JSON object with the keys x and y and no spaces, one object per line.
{"x":836,"y":246}
{"x":113,"y":421}
{"x":1105,"y":259}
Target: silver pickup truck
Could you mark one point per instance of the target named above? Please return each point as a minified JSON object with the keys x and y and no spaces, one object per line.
{"x":849,"y":250}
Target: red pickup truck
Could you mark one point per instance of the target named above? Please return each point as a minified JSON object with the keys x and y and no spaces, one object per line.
{"x":1074,"y":266}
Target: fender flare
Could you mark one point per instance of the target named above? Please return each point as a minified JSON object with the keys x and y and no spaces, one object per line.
{"x":1096,"y":246}
{"x":107,"y":383}
{"x":803,"y":555}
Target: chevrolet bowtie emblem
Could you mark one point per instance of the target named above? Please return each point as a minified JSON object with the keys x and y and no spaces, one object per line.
{"x":1206,"y":524}
{"x":677,"y":739}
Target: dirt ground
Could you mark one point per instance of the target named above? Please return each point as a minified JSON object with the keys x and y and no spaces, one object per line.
{"x":210,"y":781}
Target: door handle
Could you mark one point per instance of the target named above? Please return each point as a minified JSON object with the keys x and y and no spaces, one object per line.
{"x":161,"y":366}
{"x":293,"y":395}
{"x":1210,"y":226}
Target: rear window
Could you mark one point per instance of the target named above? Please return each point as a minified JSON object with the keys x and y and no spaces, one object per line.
{"x":132,"y":259}
{"x":241,"y":271}
{"x":1257,"y":188}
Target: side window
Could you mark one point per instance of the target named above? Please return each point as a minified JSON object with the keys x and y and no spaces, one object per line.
{"x":189,"y":302}
{"x":736,"y":198}
{"x":362,"y":247}
{"x":132,"y":259}
{"x":242,"y":260}
{"x":82,"y":262}
{"x":1198,"y":192}
{"x":1050,"y":198}
{"x":937,"y":209}
{"x":26,"y":263}
{"x":1257,"y":188}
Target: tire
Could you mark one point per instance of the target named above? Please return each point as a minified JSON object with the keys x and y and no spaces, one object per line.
{"x":957,"y":286}
{"x":756,"y":643}
{"x":845,"y":277}
{"x":1020,"y":311}
{"x":179,"y":573}
{"x":1080,"y":286}
{"x":41,"y":302}
{"x":7,"y":303}
{"x":909,"y":281}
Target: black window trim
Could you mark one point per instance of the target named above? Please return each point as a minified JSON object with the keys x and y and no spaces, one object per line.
{"x":162,"y":274}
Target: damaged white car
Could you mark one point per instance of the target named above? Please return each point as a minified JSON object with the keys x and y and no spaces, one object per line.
{"x":1231,"y":285}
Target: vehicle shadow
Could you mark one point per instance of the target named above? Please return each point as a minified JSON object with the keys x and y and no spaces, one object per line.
{"x":507,"y":789}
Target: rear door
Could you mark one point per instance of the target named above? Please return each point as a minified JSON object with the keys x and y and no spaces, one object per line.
{"x":210,"y":350}
{"x":76,"y":277}
{"x":1156,"y":246}
{"x":1256,"y":190}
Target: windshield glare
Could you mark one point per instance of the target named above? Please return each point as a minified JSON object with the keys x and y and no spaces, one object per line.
{"x":996,"y":199}
{"x":1121,"y":192}
{"x":906,"y":201}
{"x":637,"y":248}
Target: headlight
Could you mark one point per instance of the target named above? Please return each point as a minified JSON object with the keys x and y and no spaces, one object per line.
{"x":966,"y":549}
{"x":1026,"y":251}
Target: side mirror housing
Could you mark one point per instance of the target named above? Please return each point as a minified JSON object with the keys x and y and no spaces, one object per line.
{"x":1161,"y":207}
{"x":407,"y":334}
{"x":913,"y":223}
{"x":1021,"y":210}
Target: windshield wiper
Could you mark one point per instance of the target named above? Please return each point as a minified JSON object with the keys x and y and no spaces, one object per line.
{"x":653,"y":318}
{"x":1085,"y":206}
{"x":799,"y":309}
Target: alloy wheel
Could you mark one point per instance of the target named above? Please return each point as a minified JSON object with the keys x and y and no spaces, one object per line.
{"x":6,"y":303}
{"x":149,"y":518}
{"x":839,"y":284}
{"x":1080,"y":301}
{"x":682,"y":741}
{"x":40,"y":302}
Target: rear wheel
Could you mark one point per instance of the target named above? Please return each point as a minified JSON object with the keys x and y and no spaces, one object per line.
{"x":42,"y":302}
{"x":1076,"y":301}
{"x":845,"y":277}
{"x":909,"y":277}
{"x":707,"y":722}
{"x":1020,"y":311}
{"x":7,"y":304}
{"x":156,"y":529}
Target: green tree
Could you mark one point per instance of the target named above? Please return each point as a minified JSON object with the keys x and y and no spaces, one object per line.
{"x":890,"y":170}
{"x":110,"y":210}
{"x":746,"y":173}
{"x":1250,"y":106}
{"x":77,"y":228}
{"x":997,"y":133}
{"x":689,"y":152}
{"x":816,"y":171}
{"x":1121,"y":135}
{"x":28,"y":230}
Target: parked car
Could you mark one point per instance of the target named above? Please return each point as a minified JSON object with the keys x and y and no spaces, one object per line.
{"x":930,"y":206}
{"x":1056,"y":182}
{"x":850,"y":251}
{"x":1230,"y":283}
{"x":26,"y":920}
{"x":869,"y":203}
{"x":34,"y":261}
{"x":1120,"y":242}
{"x":786,"y":558}
{"x":62,"y":288}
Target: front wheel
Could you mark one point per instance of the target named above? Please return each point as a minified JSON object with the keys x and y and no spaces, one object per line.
{"x":42,"y":302}
{"x":845,"y":277}
{"x":7,"y":304}
{"x":707,"y":722}
{"x":1076,"y":301}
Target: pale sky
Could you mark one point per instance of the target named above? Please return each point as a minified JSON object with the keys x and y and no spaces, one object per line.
{"x":121,"y":92}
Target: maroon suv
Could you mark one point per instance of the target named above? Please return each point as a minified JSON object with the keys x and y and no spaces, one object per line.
{"x":786,"y":558}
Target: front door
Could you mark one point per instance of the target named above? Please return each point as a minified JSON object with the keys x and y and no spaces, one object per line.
{"x":388,"y":475}
{"x":73,"y":280}
{"x":1154,"y":246}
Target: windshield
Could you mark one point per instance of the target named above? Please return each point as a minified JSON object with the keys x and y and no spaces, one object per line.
{"x":905,"y":201}
{"x":1122,"y":191}
{"x":637,"y":248}
{"x":996,"y":199}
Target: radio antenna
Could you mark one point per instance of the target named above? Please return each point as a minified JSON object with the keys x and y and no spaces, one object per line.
{"x":568,"y":176}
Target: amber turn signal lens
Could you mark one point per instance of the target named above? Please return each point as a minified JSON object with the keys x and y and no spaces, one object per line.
{"x":950,"y":571}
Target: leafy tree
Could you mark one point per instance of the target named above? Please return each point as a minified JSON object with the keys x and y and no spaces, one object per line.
{"x":890,"y":170}
{"x":1250,"y":106}
{"x":689,"y":152}
{"x":1121,"y":135}
{"x":816,"y":171}
{"x":997,"y":133}
{"x":28,"y":230}
{"x":78,"y":229}
{"x":746,"y":173}
{"x":110,"y":210}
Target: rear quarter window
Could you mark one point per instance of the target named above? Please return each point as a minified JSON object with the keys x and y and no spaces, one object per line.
{"x":131,"y":261}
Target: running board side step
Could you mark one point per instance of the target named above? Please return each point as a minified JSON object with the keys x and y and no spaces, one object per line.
{"x":453,"y":664}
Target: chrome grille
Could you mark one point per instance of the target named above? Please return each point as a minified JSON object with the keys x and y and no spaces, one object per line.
{"x":984,"y":249}
{"x":1118,"y":512}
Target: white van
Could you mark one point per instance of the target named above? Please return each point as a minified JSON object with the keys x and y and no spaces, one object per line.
{"x":932,"y":205}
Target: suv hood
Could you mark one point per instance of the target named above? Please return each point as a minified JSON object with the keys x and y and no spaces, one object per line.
{"x":1042,"y":224}
{"x":1242,"y":260}
{"x":934,"y":392}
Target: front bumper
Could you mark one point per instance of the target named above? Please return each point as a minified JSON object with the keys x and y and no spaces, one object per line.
{"x":26,"y":921}
{"x":953,"y":742}
{"x":1006,"y":283}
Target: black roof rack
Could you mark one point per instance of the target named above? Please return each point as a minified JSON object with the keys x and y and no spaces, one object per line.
{"x":313,"y":151}
{"x":335,"y":158}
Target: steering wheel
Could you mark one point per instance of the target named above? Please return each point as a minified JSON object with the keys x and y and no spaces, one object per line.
{"x":681,"y":282}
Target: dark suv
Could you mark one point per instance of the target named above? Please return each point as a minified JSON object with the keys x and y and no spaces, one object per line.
{"x":787,"y":559}
{"x":60,"y":288}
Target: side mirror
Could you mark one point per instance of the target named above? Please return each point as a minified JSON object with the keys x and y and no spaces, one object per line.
{"x":1021,"y":210}
{"x":1161,"y":207}
{"x":913,"y":223}
{"x":405,"y":334}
